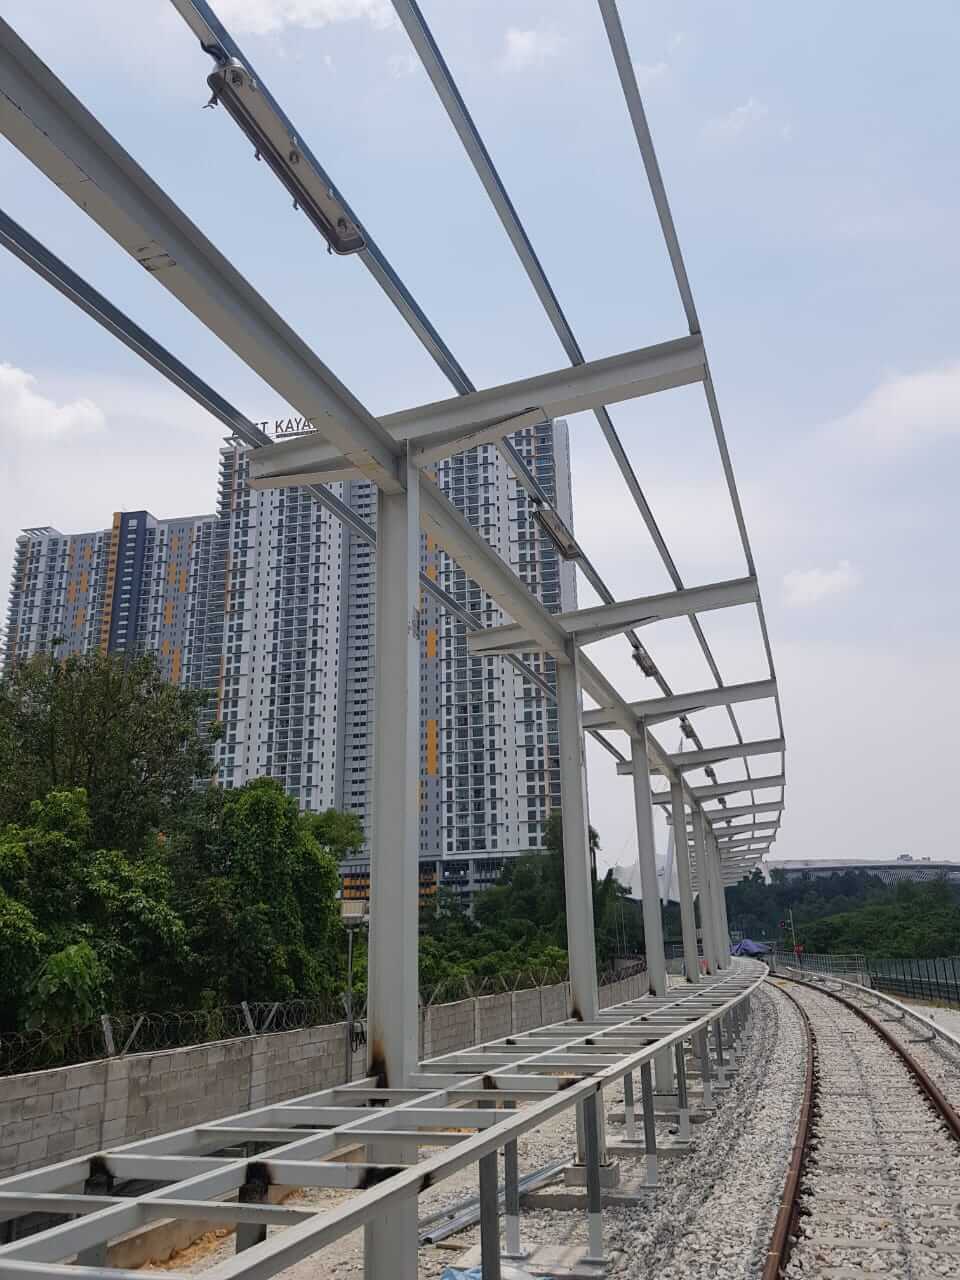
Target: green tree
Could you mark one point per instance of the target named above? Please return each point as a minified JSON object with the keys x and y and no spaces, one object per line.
{"x":258,"y":895}
{"x":111,"y":726}
{"x":82,"y":926}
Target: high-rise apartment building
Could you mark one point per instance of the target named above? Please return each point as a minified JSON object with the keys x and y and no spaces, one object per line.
{"x":270,"y":604}
{"x":141,"y":586}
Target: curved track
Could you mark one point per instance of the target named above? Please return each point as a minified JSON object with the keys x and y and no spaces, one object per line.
{"x":873,"y":1188}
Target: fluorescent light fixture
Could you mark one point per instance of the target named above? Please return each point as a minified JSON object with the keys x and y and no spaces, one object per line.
{"x":556,"y":530}
{"x":233,"y":86}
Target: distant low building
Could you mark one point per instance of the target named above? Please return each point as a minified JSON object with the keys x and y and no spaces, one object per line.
{"x":889,"y":870}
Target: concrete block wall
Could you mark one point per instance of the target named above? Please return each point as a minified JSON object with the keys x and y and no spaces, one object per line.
{"x":47,"y":1116}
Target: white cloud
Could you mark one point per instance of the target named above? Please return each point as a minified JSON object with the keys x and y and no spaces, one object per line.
{"x":750,"y":118}
{"x":526,"y":49}
{"x":402,"y":64}
{"x":649,"y":74}
{"x":265,"y":17}
{"x":29,"y":415}
{"x":906,"y":410}
{"x":803,"y":587}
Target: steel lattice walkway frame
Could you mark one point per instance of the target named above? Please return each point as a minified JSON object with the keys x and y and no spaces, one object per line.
{"x":469,"y":1105}
{"x":713,"y":847}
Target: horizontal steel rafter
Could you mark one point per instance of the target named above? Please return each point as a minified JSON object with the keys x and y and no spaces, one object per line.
{"x":656,"y":710}
{"x":684,"y":761}
{"x":446,"y":422}
{"x":719,"y":816}
{"x":584,"y":626}
{"x":716,"y":789}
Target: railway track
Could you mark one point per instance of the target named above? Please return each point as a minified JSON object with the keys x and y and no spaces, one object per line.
{"x":873,"y":1190}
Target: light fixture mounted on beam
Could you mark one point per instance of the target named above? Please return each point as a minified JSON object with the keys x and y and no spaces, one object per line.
{"x":237,"y":90}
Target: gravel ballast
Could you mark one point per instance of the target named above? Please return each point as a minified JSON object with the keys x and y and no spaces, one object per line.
{"x":880,"y":1191}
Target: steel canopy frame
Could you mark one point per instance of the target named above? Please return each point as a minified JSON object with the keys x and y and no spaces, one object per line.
{"x":48,"y":124}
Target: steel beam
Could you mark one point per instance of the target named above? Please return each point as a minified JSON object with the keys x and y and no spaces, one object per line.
{"x":445,"y":422}
{"x":655,"y":710}
{"x":585,"y":626}
{"x":56,"y":133}
{"x":718,"y":816}
{"x":728,"y":788}
{"x":755,"y":836}
{"x":684,"y":761}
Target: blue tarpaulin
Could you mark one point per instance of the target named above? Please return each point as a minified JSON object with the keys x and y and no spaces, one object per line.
{"x":749,"y":948}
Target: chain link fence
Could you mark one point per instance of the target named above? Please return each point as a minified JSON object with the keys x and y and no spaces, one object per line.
{"x":115,"y":1035}
{"x":936,"y":980}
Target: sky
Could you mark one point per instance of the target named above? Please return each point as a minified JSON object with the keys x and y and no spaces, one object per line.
{"x":810,"y":160}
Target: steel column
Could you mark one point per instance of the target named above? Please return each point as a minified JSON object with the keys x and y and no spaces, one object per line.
{"x":649,"y":1123}
{"x":650,"y":888}
{"x":577,"y":869}
{"x":591,"y":1134}
{"x":681,"y":852}
{"x":647,"y":858}
{"x":713,"y":862}
{"x":489,"y":1219}
{"x":705,"y":883}
{"x":391,"y":1240}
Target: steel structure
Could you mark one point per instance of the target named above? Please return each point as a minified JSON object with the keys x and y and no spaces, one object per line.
{"x":52,"y":128}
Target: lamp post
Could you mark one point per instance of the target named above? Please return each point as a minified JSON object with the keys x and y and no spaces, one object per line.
{"x":354,"y":914}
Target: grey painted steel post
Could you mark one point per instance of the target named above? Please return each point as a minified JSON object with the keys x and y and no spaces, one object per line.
{"x":489,"y":1219}
{"x":511,"y":1197}
{"x":629,"y":1109}
{"x":650,"y":889}
{"x":683,"y":1099}
{"x":649,"y":1123}
{"x":723,"y":945}
{"x":688,"y":919}
{"x":707,"y":921}
{"x":706,"y":1073}
{"x":390,"y":1241}
{"x":591,"y":1140}
{"x":725,"y":940}
{"x":577,"y":869}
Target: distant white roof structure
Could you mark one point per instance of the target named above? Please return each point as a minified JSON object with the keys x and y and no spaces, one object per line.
{"x":889,"y":870}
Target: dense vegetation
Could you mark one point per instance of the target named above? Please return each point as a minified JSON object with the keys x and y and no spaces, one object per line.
{"x":122,"y":884}
{"x":851,"y":912}
{"x":126,"y":886}
{"x":520,"y":923}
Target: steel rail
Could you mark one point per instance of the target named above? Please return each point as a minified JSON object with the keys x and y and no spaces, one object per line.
{"x":784,"y":1226}
{"x":206,"y":1178}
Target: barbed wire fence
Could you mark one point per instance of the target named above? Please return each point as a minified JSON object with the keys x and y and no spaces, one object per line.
{"x":119,"y":1034}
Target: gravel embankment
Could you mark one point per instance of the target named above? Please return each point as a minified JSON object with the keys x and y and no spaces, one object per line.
{"x":714,"y":1214}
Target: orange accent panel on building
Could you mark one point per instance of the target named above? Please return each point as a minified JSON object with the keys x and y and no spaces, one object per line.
{"x":432,"y":748}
